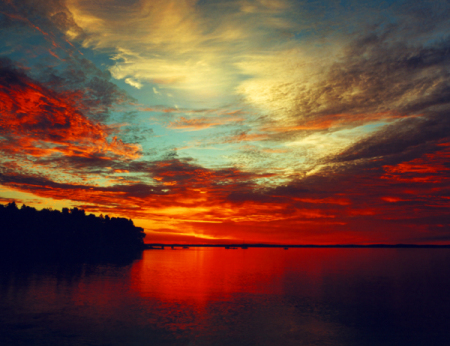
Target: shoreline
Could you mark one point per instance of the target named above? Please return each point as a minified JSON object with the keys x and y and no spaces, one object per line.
{"x":160,"y":246}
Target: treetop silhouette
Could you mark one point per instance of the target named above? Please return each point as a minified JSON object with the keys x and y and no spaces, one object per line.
{"x":70,"y":233}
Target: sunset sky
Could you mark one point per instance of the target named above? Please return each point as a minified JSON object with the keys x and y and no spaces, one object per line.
{"x":270,"y":121}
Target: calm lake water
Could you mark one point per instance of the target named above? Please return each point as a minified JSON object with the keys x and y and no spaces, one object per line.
{"x":206,"y":296}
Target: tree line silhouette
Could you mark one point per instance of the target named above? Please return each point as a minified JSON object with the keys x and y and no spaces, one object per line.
{"x":52,"y":234}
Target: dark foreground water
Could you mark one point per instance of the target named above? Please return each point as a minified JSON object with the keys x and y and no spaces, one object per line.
{"x":233,"y":297}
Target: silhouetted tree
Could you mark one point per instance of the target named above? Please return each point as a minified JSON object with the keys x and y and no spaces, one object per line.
{"x":27,"y":232}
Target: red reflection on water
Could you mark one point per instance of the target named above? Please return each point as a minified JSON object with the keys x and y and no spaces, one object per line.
{"x":236,"y":297}
{"x":203,"y":274}
{"x":258,"y":293}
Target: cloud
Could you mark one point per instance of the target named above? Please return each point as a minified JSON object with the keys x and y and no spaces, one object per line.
{"x":376,"y":94}
{"x":403,"y":137}
{"x":189,"y":46}
{"x":195,"y":124}
{"x":430,"y":168}
{"x":339,"y":129}
{"x":244,"y":136}
{"x":364,"y":75}
{"x":375,"y":74}
{"x":227,"y":203}
{"x":40,"y":122}
{"x":174,"y":186}
{"x":134,"y":83}
{"x":97,"y":94}
{"x":47,"y":18}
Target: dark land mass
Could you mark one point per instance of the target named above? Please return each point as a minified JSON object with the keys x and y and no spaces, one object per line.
{"x":159,"y":246}
{"x":68,"y":235}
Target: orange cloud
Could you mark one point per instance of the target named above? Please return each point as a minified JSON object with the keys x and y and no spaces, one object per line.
{"x":246,"y":137}
{"x":335,"y":120}
{"x":431,"y":168}
{"x":200,"y":123}
{"x":40,"y":122}
{"x":329,"y":200}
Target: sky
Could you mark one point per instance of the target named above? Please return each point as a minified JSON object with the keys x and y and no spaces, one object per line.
{"x":294,"y":122}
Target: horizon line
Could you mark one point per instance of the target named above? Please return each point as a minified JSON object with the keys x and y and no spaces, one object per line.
{"x":262,"y":245}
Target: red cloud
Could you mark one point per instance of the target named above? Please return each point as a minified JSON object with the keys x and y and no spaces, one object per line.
{"x":363,"y":207}
{"x":39,"y":122}
{"x":431,"y":168}
{"x":219,"y":203}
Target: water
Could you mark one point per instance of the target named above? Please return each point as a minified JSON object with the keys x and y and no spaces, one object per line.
{"x":220,"y":297}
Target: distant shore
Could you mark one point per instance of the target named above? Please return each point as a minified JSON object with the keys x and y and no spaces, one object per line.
{"x":155,"y":246}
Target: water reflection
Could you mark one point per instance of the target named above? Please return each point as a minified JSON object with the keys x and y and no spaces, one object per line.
{"x":233,"y":297}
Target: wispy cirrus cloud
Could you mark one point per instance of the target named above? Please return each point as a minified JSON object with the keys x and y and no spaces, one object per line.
{"x":190,"y":46}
